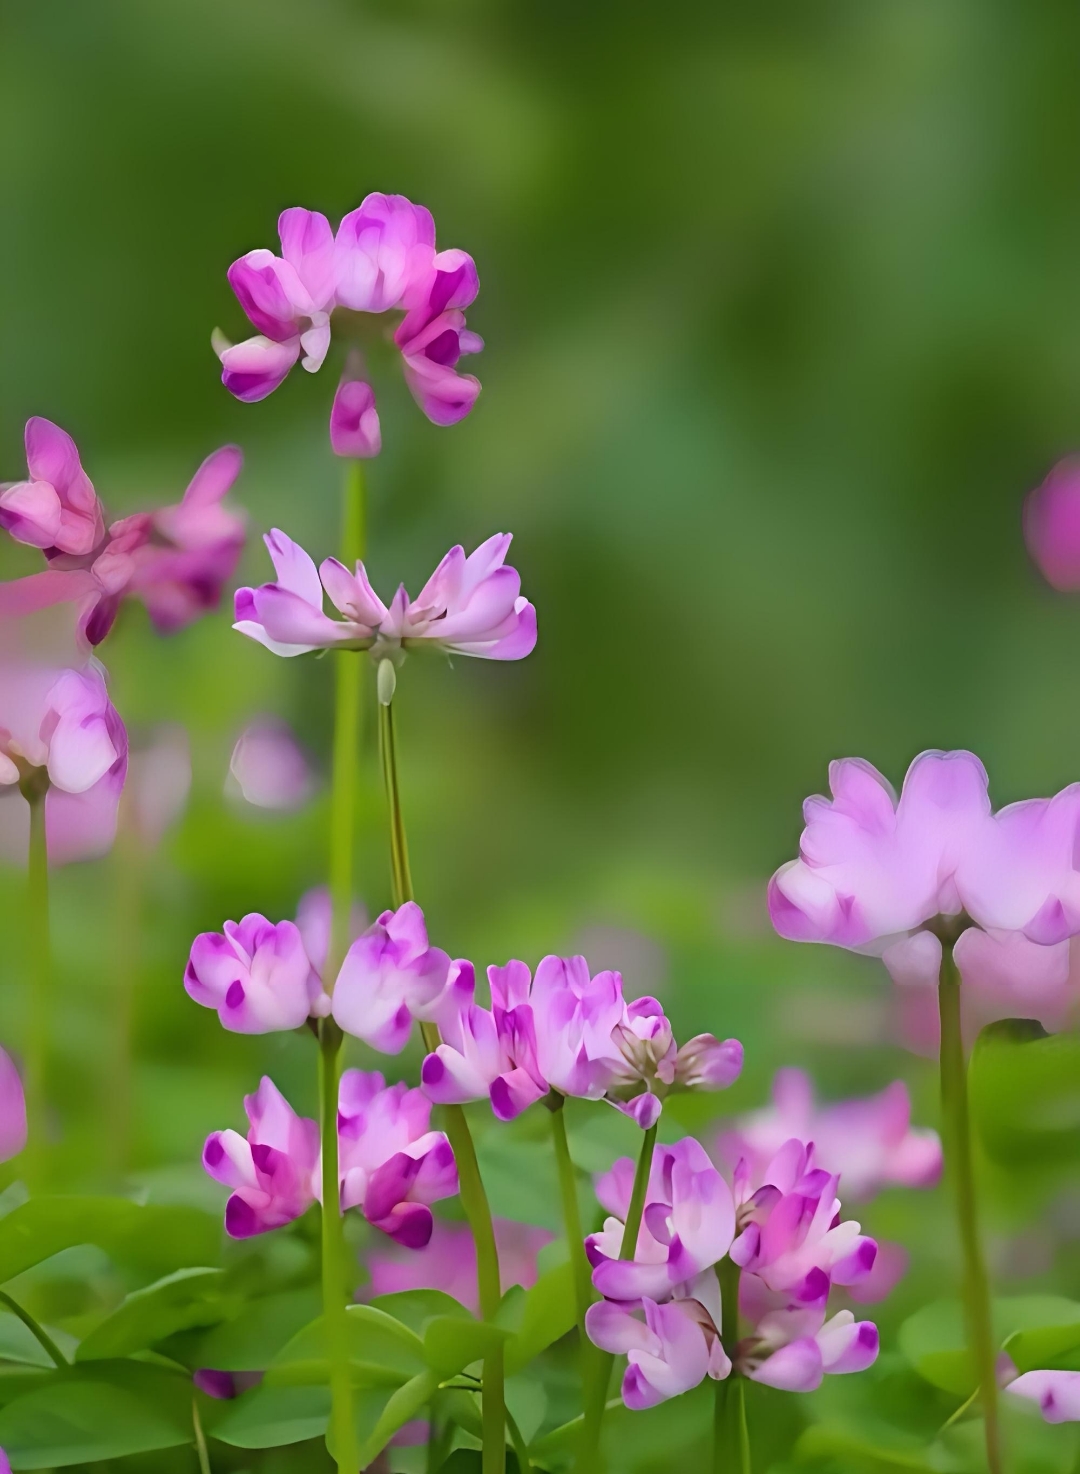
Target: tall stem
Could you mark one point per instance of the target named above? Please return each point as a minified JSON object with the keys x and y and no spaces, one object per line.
{"x":129,"y":864}
{"x":956,"y":1129}
{"x":41,"y":969}
{"x":589,"y":1457}
{"x":731,"y":1440}
{"x":571,"y":1210}
{"x":471,"y":1186}
{"x":335,"y":1287}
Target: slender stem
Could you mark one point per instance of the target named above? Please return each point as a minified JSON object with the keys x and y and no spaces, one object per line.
{"x":956,"y":1130}
{"x":44,"y":1340}
{"x":129,"y":864}
{"x":731,"y":1442}
{"x":342,"y":1432}
{"x":348,"y":669}
{"x":200,"y":1439}
{"x":589,"y":1455}
{"x":399,"y":844}
{"x":521,"y":1448}
{"x":571,"y":1210}
{"x":41,"y":969}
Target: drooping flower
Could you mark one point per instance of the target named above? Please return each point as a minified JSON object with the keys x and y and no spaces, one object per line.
{"x":868,"y":1141}
{"x":687,"y":1227}
{"x":382,"y":259}
{"x":469,"y":606}
{"x":787,"y":1353}
{"x":271,"y":1171}
{"x":1052,"y":527}
{"x":390,"y":976}
{"x":61,"y":735}
{"x":159,"y":780}
{"x":12,"y":1109}
{"x":269,"y":768}
{"x":392,"y":1166}
{"x":257,"y":975}
{"x":448,"y":1262}
{"x":1056,"y":1393}
{"x":176,"y":559}
{"x":670,"y":1347}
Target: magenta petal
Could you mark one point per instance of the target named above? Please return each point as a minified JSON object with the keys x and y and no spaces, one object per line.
{"x":354,"y":421}
{"x":12,"y":1109}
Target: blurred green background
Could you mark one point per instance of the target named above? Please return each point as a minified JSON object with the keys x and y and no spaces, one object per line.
{"x":780,"y":305}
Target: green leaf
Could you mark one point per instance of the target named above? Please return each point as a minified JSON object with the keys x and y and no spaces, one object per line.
{"x":1025,"y":1093}
{"x":402,"y":1406}
{"x":267,"y":1417}
{"x":190,"y":1297}
{"x":250,"y":1342}
{"x":451,"y":1343}
{"x":547,"y":1314}
{"x":19,"y":1344}
{"x":471,"y":1461}
{"x":1055,"y":1334}
{"x":382,"y":1352}
{"x":415,"y":1308}
{"x":86,"y":1414}
{"x":934,"y":1343}
{"x":155,"y":1239}
{"x":883,"y":1448}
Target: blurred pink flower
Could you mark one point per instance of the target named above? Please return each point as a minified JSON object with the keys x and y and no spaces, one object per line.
{"x":1057,"y":1393}
{"x":392,"y":1166}
{"x":257,"y":976}
{"x":469,"y":606}
{"x":269,"y":768}
{"x":867,"y":1141}
{"x":839,"y":1345}
{"x":1052,"y":526}
{"x":448,"y":1262}
{"x":390,"y":976}
{"x":670,"y":1348}
{"x":176,"y":559}
{"x":12,"y":1109}
{"x":159,"y":781}
{"x":314,"y":915}
{"x":383,"y":259}
{"x":271,"y":1170}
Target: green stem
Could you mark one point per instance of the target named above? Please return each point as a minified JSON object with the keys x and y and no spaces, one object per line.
{"x":521,"y":1448}
{"x":129,"y":864}
{"x":44,"y":1340}
{"x":571,"y":1210}
{"x":956,"y":1130}
{"x":41,"y":968}
{"x":200,"y":1439}
{"x":342,"y":1434}
{"x":399,"y":844}
{"x":348,"y":669}
{"x":589,"y":1457}
{"x":731,"y":1441}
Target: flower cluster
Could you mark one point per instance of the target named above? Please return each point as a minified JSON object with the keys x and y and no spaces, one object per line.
{"x":781,"y":1227}
{"x":382,"y":259}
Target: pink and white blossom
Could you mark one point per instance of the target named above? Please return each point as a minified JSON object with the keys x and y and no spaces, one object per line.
{"x":1056,"y":1393}
{"x":839,"y":1345}
{"x":670,"y":1347}
{"x":269,"y":768}
{"x":271,"y":1171}
{"x":390,"y":976}
{"x":469,"y":606}
{"x":257,"y":975}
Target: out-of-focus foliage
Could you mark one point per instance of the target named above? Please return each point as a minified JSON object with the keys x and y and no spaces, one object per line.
{"x":780,"y":310}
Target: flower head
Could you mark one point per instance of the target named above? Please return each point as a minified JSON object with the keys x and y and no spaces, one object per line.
{"x":392,"y":1167}
{"x":390,"y":976}
{"x":257,"y":975}
{"x":470,"y":606}
{"x":269,"y":768}
{"x":271,"y":1170}
{"x":12,"y":1109}
{"x":670,"y":1347}
{"x":1052,"y":526}
{"x":1056,"y":1393}
{"x":381,"y":260}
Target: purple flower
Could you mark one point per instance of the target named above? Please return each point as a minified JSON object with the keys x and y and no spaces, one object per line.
{"x":1052,"y":527}
{"x":269,"y":767}
{"x":176,"y":559}
{"x":688,"y":1225}
{"x":470,"y":606}
{"x":389,"y":977}
{"x":12,"y":1109}
{"x":223,"y":1386}
{"x":789,"y":1226}
{"x":448,"y":1262}
{"x":60,"y":731}
{"x":383,"y":259}
{"x":868,"y":1141}
{"x":669,"y":1347}
{"x":1057,"y":1393}
{"x":839,"y":1345}
{"x":257,"y":975}
{"x":314,"y":917}
{"x":272,"y":1171}
{"x":392,"y":1167}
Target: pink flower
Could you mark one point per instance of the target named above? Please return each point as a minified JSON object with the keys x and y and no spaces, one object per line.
{"x":1057,"y":1394}
{"x":839,"y":1345}
{"x":257,"y":975}
{"x":789,"y":1225}
{"x":159,"y":780}
{"x":389,"y":977}
{"x":270,"y":768}
{"x":688,"y":1225}
{"x":448,"y":1262}
{"x":175,"y":559}
{"x":392,"y":1167}
{"x":669,"y":1347}
{"x":271,"y":1172}
{"x":12,"y":1109}
{"x":867,"y":1141}
{"x":470,"y":606}
{"x":314,"y":916}
{"x":383,"y":259}
{"x":60,"y":732}
{"x":1052,"y":526}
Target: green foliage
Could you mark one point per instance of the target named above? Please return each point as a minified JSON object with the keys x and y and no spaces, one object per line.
{"x":155,"y":1240}
{"x":190,"y":1297}
{"x":1025,"y":1094}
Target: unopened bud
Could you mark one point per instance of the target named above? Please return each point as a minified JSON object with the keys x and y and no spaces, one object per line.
{"x":386,"y":682}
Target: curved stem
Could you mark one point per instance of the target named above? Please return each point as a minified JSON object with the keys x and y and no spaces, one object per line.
{"x":40,"y":1335}
{"x":41,"y":969}
{"x":956,"y":1130}
{"x":200,"y":1438}
{"x":571,"y":1210}
{"x":521,"y":1448}
{"x":637,"y":1197}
